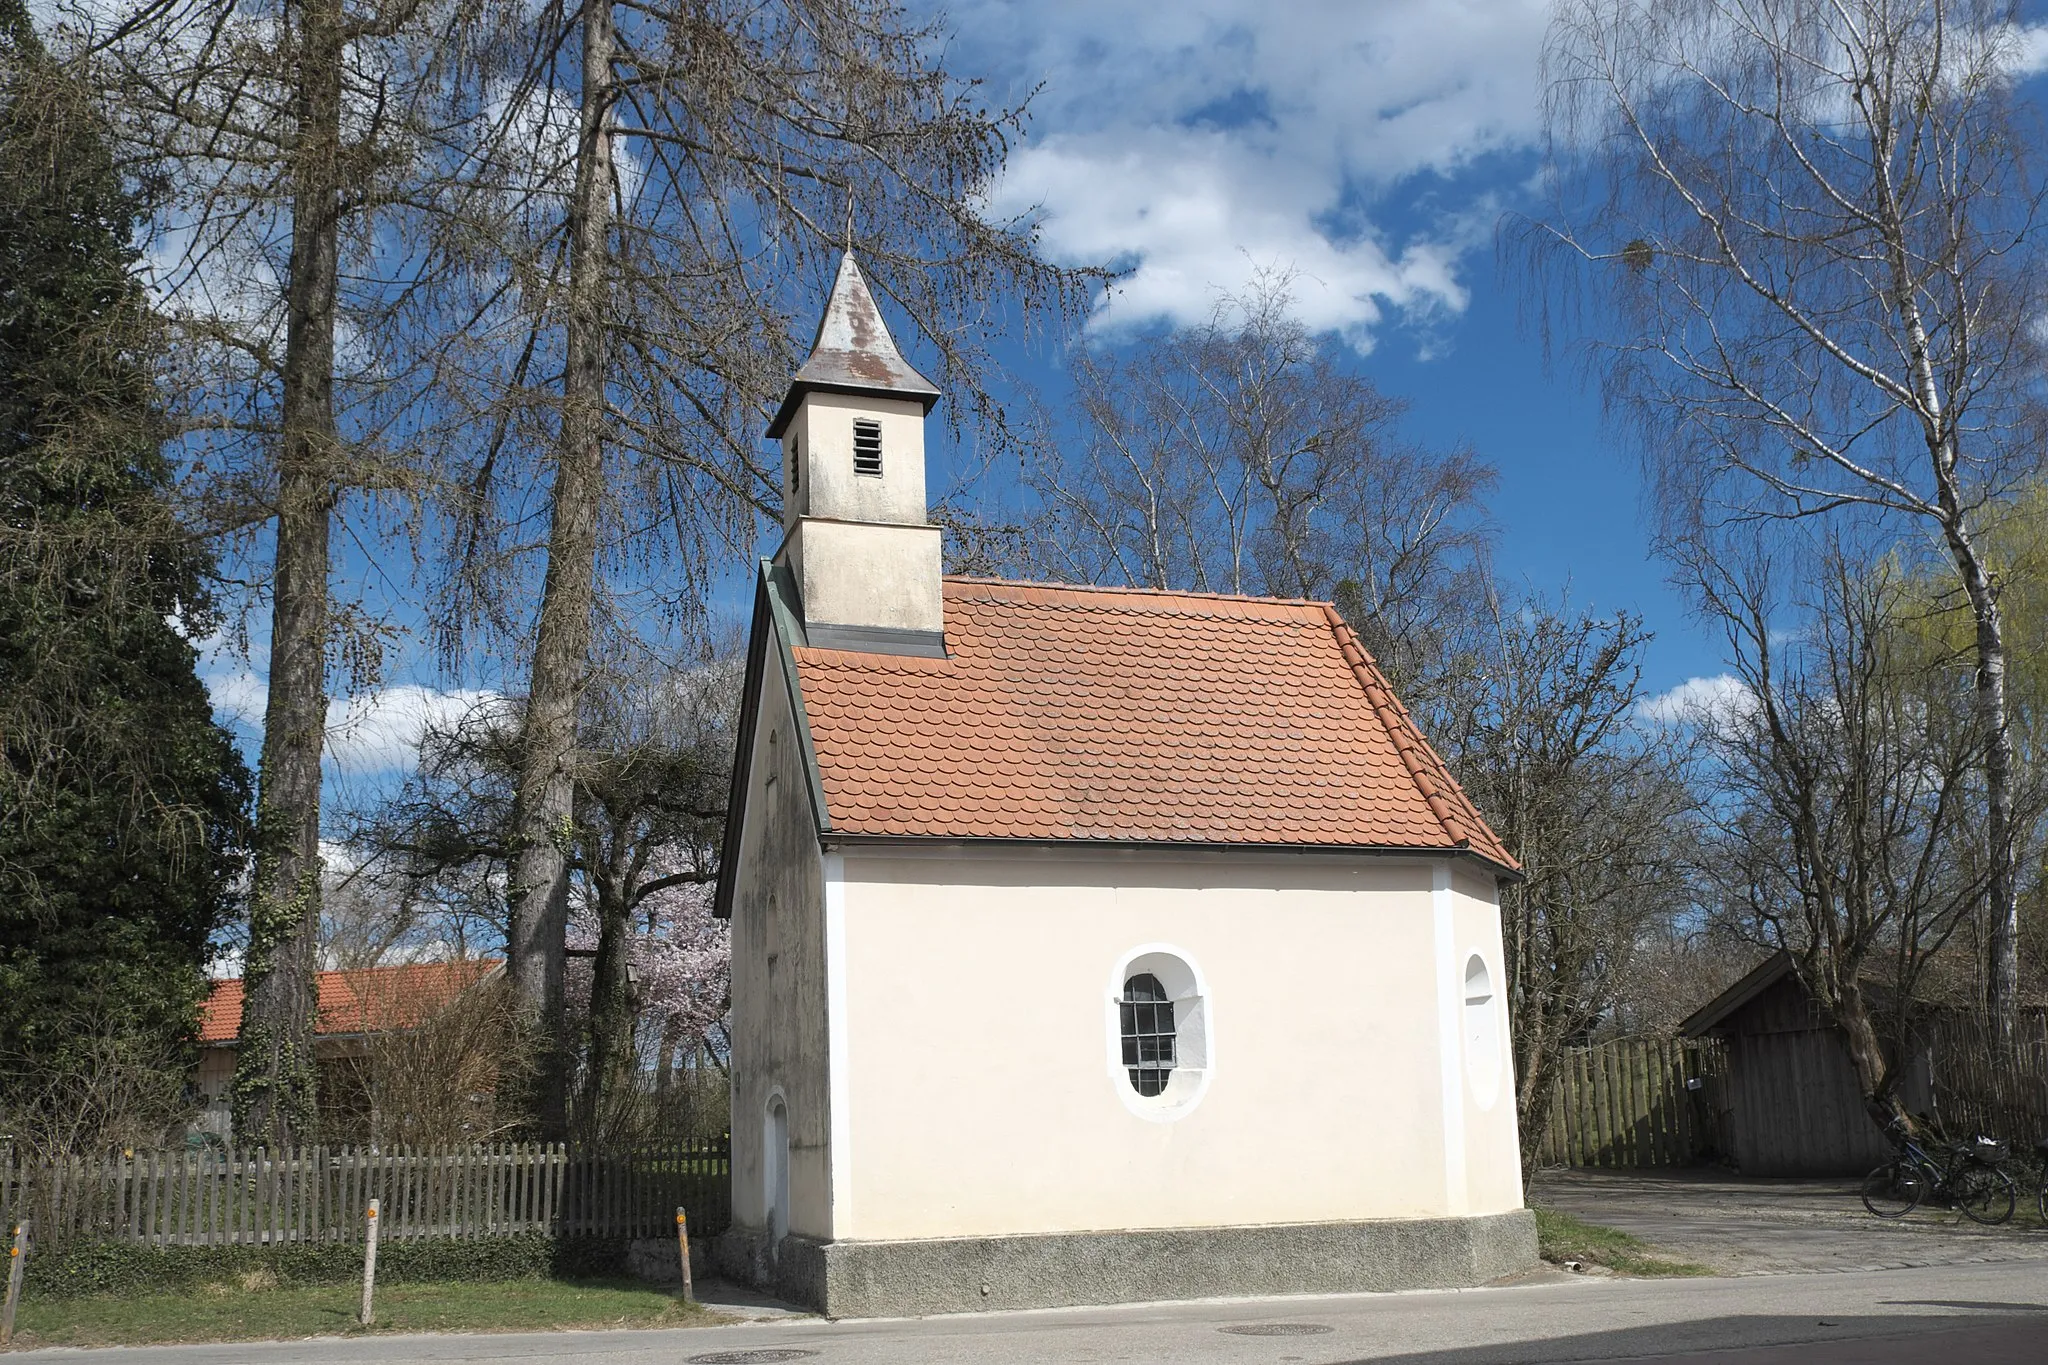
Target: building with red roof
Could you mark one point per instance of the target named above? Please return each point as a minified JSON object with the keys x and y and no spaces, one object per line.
{"x":353,"y":1005}
{"x":1089,"y":944}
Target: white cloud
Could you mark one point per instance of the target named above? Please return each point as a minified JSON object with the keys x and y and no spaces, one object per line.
{"x":376,"y":733}
{"x":238,"y":697}
{"x":1713,"y":701}
{"x":1197,"y":143}
{"x":2029,"y":50}
{"x":379,"y":732}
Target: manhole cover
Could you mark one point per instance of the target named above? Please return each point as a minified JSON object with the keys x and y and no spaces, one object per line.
{"x":1275,"y":1329}
{"x":749,"y":1357}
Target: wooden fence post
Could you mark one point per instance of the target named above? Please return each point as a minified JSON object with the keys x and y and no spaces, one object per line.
{"x":369,"y":1262}
{"x":683,"y":1246}
{"x":17,"y":1254}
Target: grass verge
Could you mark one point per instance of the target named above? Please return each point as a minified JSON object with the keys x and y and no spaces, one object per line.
{"x":1561,"y":1238}
{"x":256,"y":1309}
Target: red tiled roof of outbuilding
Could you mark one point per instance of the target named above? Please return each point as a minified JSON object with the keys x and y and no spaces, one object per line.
{"x":1128,"y":715}
{"x":360,"y":1001}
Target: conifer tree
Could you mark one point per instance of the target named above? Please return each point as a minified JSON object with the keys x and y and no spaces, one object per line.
{"x":122,"y":802}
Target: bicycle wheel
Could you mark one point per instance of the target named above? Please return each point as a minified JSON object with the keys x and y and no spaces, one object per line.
{"x":1894,"y":1189}
{"x":1985,"y":1194}
{"x":2041,"y":1198}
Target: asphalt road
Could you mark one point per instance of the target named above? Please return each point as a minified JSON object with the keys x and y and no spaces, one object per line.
{"x":1741,"y":1225}
{"x":1984,"y":1314}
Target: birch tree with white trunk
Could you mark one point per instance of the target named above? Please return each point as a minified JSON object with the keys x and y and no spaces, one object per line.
{"x":1808,"y":234}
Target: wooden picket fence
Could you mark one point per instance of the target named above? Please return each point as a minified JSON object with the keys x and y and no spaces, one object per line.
{"x":1980,"y":1081}
{"x":212,"y":1198}
{"x":1638,"y":1102}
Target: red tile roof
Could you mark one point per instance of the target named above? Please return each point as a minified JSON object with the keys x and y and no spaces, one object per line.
{"x":357,"y":1002}
{"x":1109,"y":714}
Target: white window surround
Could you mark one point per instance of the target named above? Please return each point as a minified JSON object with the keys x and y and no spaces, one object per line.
{"x":1482,"y":1031}
{"x":1194,"y":1027}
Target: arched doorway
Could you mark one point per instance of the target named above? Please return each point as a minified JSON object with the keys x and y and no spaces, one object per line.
{"x":775,"y":1168}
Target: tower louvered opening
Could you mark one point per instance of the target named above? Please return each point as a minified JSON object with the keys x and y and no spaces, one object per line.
{"x":867,"y":447}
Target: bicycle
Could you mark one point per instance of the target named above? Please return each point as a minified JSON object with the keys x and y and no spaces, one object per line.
{"x":1970,"y":1180}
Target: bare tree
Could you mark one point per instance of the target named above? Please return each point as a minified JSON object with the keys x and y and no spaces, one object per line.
{"x":448,"y":1071}
{"x":652,"y":778}
{"x":667,"y":186}
{"x":113,"y":1086}
{"x":279,"y":148}
{"x":374,"y":913}
{"x":1814,"y":228}
{"x":1544,"y":735}
{"x":650,"y":772}
{"x":543,"y":800}
{"x":1677,"y":962}
{"x":1843,"y":779}
{"x":1243,"y":455}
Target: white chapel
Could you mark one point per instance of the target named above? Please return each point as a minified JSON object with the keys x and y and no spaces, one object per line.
{"x":1089,"y":945}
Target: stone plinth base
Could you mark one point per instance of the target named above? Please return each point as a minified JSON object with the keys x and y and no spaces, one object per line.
{"x":1050,"y":1270}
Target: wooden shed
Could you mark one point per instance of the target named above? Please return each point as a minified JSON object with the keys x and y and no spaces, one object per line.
{"x":1794,"y":1105}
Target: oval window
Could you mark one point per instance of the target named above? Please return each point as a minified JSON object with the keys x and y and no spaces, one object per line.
{"x":1482,"y":1031}
{"x":1159,"y":1033}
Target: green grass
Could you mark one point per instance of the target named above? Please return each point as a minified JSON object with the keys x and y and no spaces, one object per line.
{"x":256,"y":1309}
{"x":1561,"y":1237}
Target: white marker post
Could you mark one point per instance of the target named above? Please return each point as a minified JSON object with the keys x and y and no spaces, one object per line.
{"x":370,"y":1262}
{"x":683,"y":1246}
{"x":16,"y":1254}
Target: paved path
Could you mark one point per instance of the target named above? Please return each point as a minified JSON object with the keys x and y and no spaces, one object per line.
{"x":1748,"y":1226}
{"x":1992,"y":1314}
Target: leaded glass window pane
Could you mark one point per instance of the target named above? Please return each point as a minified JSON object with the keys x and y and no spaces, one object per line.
{"x":1148,"y":1033}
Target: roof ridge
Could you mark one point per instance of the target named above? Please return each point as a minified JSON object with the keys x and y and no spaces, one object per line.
{"x":408,"y":966}
{"x":1106,"y":589}
{"x":1425,"y":766}
{"x":382,"y":967}
{"x":343,"y":993}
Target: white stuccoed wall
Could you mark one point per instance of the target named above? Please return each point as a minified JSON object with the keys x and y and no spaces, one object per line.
{"x":859,"y":545}
{"x":820,"y":442}
{"x":1493,"y":1163}
{"x":970,"y":1085}
{"x":851,"y":573}
{"x":779,"y":976}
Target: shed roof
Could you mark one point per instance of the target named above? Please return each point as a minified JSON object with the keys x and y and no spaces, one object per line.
{"x":853,"y":353}
{"x":359,"y":1001}
{"x":1716,"y":1012}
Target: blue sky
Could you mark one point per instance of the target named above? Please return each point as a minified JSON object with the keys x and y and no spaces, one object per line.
{"x":1373,"y":148}
{"x":1370,"y":146}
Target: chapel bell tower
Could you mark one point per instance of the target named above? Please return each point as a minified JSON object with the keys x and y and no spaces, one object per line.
{"x":855,"y":538}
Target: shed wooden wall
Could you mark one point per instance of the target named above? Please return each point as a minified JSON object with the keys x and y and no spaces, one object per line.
{"x":1796,"y":1106}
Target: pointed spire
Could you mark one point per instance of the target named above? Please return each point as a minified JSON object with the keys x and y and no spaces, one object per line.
{"x":853,"y":353}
